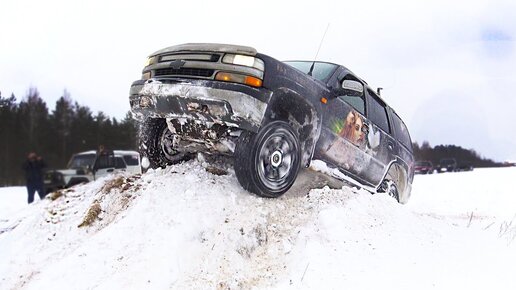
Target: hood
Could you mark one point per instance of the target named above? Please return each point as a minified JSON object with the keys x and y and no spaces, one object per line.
{"x":68,"y":171}
{"x":187,"y":47}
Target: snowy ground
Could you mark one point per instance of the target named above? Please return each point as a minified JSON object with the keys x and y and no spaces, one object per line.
{"x":185,"y":228}
{"x":12,"y":200}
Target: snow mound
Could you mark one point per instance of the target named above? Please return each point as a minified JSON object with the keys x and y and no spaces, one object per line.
{"x":186,"y":228}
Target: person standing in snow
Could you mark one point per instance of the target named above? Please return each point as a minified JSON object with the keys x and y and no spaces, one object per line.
{"x":102,"y":150}
{"x":103,"y":157}
{"x":33,"y":168}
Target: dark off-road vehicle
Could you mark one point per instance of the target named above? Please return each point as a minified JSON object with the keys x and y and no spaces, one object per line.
{"x":447,"y":165}
{"x":272,"y":117}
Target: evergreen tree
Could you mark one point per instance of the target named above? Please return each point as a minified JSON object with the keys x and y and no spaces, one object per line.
{"x":464,"y":157}
{"x":70,"y":128}
{"x":8,"y":111}
{"x":62,"y":118}
{"x":83,"y":129}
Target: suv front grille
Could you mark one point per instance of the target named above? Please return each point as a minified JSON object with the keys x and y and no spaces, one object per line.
{"x":190,"y":56}
{"x":196,"y":72}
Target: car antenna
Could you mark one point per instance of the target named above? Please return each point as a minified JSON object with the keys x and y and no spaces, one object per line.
{"x":317,"y":53}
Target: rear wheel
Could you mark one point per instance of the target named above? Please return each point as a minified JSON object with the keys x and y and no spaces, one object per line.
{"x":267,"y":162}
{"x":389,"y":187}
{"x":159,"y":144}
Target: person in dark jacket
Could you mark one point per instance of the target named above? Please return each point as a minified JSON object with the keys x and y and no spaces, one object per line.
{"x":33,"y":168}
{"x":103,"y":157}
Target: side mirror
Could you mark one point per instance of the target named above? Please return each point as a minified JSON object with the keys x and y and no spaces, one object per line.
{"x":353,"y":88}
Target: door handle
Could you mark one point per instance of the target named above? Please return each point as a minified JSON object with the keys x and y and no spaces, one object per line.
{"x":110,"y":170}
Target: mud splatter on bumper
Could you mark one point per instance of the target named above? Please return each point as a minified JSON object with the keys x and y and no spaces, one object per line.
{"x":198,"y":101}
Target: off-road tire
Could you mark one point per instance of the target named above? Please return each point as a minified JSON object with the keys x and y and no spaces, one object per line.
{"x":267,"y":163}
{"x":152,"y":132}
{"x":390,"y":188}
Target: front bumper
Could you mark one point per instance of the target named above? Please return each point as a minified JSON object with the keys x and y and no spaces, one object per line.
{"x":53,"y":180}
{"x":231,"y":104}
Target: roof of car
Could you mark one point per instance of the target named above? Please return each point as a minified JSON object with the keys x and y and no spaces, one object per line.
{"x":317,"y":61}
{"x":116,"y":152}
{"x":126,"y":152}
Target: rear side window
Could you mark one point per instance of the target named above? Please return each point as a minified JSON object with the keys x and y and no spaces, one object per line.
{"x":131,"y":160}
{"x":401,"y":131}
{"x":377,"y":112}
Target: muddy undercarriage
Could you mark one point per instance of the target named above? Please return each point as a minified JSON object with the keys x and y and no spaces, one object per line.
{"x":193,"y":136}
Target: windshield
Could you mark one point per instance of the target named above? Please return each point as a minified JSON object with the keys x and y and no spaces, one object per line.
{"x":322,"y":70}
{"x":81,"y":161}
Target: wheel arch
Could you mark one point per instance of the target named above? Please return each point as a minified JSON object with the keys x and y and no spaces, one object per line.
{"x":301,"y":114}
{"x":399,"y":175}
{"x":77,"y":180}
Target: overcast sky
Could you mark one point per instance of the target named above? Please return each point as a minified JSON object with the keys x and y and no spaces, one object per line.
{"x":447,"y":67}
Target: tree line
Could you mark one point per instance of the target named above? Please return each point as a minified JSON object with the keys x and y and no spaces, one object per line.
{"x":425,"y":152}
{"x":28,"y":125}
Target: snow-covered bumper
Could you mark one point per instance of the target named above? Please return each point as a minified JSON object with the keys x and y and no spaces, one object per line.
{"x":207,"y":101}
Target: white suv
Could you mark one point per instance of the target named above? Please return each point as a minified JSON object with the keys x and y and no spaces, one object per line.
{"x":88,"y":166}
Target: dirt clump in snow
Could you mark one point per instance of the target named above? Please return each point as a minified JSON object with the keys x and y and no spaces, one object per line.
{"x":59,"y":193}
{"x":91,"y":215}
{"x":55,"y":195}
{"x":115,"y":197}
{"x":115,"y":183}
{"x":216,"y":170}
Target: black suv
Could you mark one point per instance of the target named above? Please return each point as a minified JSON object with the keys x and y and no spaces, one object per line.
{"x":272,"y":117}
{"x":447,"y":165}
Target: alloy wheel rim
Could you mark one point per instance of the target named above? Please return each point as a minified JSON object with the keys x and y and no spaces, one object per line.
{"x":276,"y":159}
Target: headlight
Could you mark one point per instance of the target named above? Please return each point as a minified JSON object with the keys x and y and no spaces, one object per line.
{"x":244,"y":60}
{"x":150,"y":60}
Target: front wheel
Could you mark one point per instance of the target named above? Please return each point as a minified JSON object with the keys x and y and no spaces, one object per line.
{"x":267,"y":162}
{"x":159,"y":144}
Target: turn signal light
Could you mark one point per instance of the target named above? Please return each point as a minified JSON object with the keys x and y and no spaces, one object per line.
{"x":221,"y":76}
{"x":252,"y":81}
